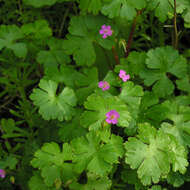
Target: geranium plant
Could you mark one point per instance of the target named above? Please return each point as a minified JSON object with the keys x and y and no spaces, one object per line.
{"x":95,"y":94}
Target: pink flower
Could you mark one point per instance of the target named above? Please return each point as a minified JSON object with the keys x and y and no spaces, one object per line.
{"x":103,"y":85}
{"x":105,"y":31}
{"x":2,"y":173}
{"x":123,"y":76}
{"x":112,"y":117}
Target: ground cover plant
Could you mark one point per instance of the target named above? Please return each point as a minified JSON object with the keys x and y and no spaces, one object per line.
{"x":94,"y":94}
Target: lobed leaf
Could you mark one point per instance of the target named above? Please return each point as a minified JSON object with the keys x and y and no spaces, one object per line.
{"x":52,"y":106}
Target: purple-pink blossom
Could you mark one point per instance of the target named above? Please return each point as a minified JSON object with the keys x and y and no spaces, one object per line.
{"x":123,"y":76}
{"x":112,"y":116}
{"x":105,"y":31}
{"x":2,"y":173}
{"x":103,"y":85}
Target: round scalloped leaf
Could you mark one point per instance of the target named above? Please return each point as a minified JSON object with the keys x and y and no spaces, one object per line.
{"x":51,"y":161}
{"x":152,"y":152}
{"x":96,"y":157}
{"x":98,"y":106}
{"x":161,"y":62}
{"x":52,"y":106}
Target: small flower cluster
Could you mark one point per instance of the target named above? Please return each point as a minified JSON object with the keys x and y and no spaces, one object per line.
{"x":111,"y":116}
{"x":104,"y":85}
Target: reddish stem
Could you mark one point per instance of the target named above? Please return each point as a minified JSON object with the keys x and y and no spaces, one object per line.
{"x":130,"y":40}
{"x":116,"y":57}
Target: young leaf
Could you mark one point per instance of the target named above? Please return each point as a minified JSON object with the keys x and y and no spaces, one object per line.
{"x":52,"y":106}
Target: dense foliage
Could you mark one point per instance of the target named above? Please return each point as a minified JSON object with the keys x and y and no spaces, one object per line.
{"x":95,"y":94}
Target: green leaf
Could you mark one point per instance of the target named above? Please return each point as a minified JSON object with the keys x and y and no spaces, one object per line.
{"x":52,"y":106}
{"x":72,"y":129}
{"x":38,"y":30}
{"x":87,"y":81}
{"x":135,"y":62}
{"x":162,"y":62}
{"x":94,"y":183}
{"x":175,"y":179}
{"x":96,"y":157}
{"x":9,"y":162}
{"x":180,"y":115}
{"x":39,"y":3}
{"x":98,"y":106}
{"x":152,"y":152}
{"x":36,"y":183}
{"x":130,"y":176}
{"x":157,"y":187}
{"x":131,"y":94}
{"x":162,"y":8}
{"x":184,"y":84}
{"x":10,"y":130}
{"x":9,"y":35}
{"x":122,"y":8}
{"x":84,"y":31}
{"x":53,"y":57}
{"x":183,"y":7}
{"x":52,"y":162}
{"x":19,"y":49}
{"x":90,"y":6}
